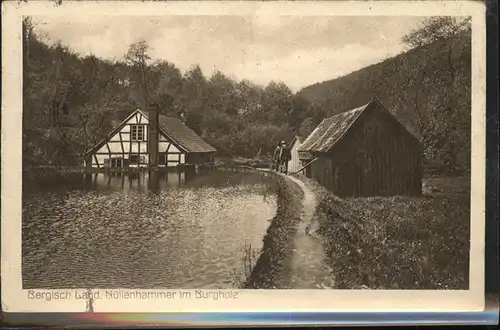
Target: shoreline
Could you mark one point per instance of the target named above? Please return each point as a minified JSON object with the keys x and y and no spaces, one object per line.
{"x":273,"y":267}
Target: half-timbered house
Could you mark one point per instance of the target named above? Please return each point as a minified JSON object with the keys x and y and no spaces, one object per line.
{"x":131,"y":144}
{"x":364,"y":152}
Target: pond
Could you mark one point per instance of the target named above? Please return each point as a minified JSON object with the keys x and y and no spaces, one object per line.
{"x":113,"y":231}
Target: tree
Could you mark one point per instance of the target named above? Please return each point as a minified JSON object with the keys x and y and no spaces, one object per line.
{"x":221,"y":94}
{"x":169,"y":84}
{"x":28,"y":26}
{"x":263,"y":137}
{"x":412,"y":94}
{"x":138,"y":59}
{"x":93,"y":110}
{"x":441,"y":29}
{"x":423,"y":75}
{"x":248,"y":96}
{"x":277,"y":102}
{"x":60,"y":121}
{"x":437,"y":29}
{"x":307,"y":127}
{"x":193,"y":98}
{"x":443,"y":117}
{"x":298,"y":111}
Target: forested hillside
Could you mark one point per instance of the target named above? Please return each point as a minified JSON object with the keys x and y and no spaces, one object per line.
{"x":428,"y":88}
{"x":70,"y":102}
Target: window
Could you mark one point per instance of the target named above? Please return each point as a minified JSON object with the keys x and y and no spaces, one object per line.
{"x":116,"y":162}
{"x":162,"y":159}
{"x":137,"y":132}
{"x":134,"y":159}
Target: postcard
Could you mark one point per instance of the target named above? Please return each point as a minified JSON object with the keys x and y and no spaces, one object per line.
{"x":243,"y":156}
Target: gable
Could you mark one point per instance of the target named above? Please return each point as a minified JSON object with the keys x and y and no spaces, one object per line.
{"x":295,"y":146}
{"x":119,"y":139}
{"x":114,"y":134}
{"x":333,"y":129}
{"x":294,"y":142}
{"x":379,"y":112}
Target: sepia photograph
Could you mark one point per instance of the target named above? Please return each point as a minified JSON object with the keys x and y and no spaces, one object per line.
{"x":244,"y":151}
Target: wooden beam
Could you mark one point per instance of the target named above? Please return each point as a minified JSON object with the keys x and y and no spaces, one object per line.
{"x":96,"y":160}
{"x":109,"y":150}
{"x":121,"y":142}
{"x":119,"y":153}
{"x":303,"y":167}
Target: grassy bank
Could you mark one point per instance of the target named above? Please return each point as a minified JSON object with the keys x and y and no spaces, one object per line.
{"x":399,"y":242}
{"x":273,"y":265}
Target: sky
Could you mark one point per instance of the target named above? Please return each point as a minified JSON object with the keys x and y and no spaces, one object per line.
{"x":297,"y":50}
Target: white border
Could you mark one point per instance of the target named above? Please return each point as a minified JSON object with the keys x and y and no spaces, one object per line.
{"x":15,"y":299}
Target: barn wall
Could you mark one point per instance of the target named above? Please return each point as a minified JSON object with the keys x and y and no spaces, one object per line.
{"x":321,"y":171}
{"x":199,"y":158}
{"x":376,"y":157}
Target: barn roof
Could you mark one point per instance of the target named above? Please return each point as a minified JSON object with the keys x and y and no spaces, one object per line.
{"x":183,"y":135}
{"x":332,"y":129}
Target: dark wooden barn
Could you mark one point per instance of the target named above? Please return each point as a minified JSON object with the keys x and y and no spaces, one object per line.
{"x":364,"y":152}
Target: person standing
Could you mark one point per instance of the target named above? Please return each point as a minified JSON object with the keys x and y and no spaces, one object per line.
{"x":284,"y":157}
{"x":276,"y":157}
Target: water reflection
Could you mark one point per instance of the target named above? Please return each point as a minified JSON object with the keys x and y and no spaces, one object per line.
{"x":154,"y":181}
{"x":137,"y":230}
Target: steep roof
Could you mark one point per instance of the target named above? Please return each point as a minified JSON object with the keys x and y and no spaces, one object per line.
{"x":332,"y":129}
{"x":175,"y":129}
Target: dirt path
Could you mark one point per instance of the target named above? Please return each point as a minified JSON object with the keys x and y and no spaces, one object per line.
{"x":309,"y":270}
